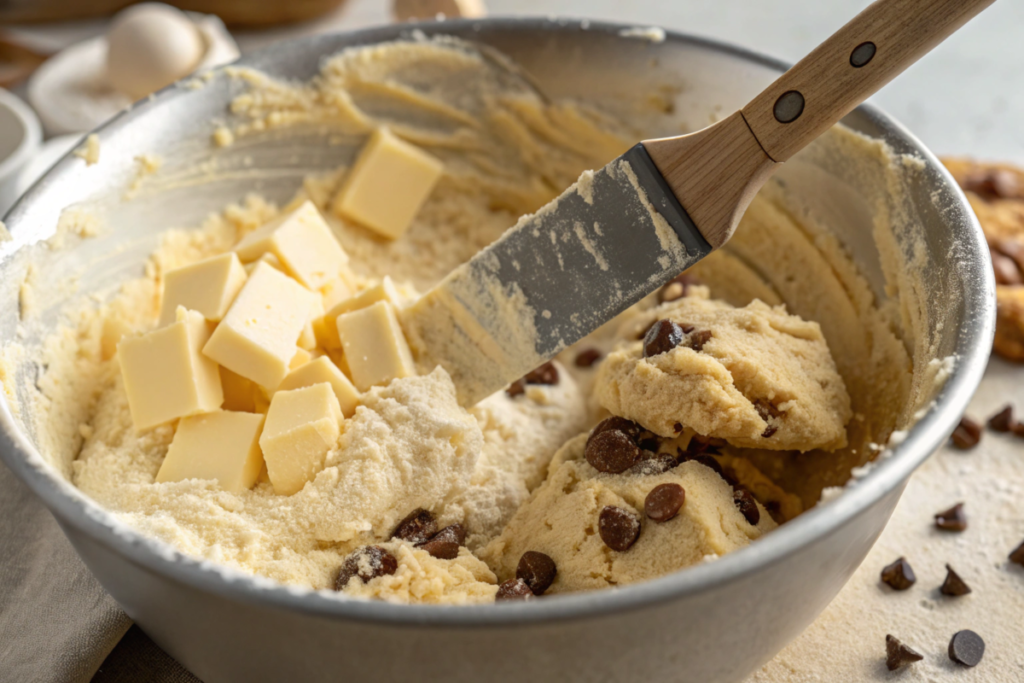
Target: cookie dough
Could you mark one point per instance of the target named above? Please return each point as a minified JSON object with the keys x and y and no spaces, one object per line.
{"x":561,"y":520}
{"x":830,"y":354}
{"x":754,"y":376}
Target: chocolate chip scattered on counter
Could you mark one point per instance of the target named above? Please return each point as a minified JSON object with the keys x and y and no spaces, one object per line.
{"x":899,"y":575}
{"x":953,"y":519}
{"x":545,"y":374}
{"x":1003,"y":420}
{"x":664,"y":501}
{"x":611,"y":451}
{"x":418,"y":526}
{"x":747,"y":506}
{"x":662,"y":337}
{"x":367,"y":563}
{"x":1017,"y":556}
{"x":618,"y":528}
{"x":677,"y":288}
{"x":898,"y":655}
{"x":698,"y":339}
{"x":954,"y":586}
{"x":537,"y":570}
{"x":967,"y":434}
{"x":516,"y":388}
{"x":967,"y":648}
{"x":587,"y":357}
{"x":513,"y":589}
{"x":627,"y":427}
{"x":993,"y":183}
{"x":445,"y":543}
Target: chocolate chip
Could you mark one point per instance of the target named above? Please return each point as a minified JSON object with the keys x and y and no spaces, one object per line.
{"x":898,"y":655}
{"x":677,"y":427}
{"x":537,"y":570}
{"x":769,"y":431}
{"x":418,"y":526}
{"x":898,"y":575}
{"x":954,"y":586}
{"x":1017,"y":556}
{"x":653,"y":464}
{"x":514,"y":589}
{"x":953,"y":519}
{"x":516,"y":388}
{"x":618,"y":528}
{"x":627,"y":427}
{"x":1006,"y":270}
{"x":611,"y":451}
{"x":747,"y":506}
{"x":651,"y":443}
{"x":967,"y":434}
{"x":367,"y":563}
{"x":1018,"y":429}
{"x":664,"y":501}
{"x":729,"y":474}
{"x":545,"y":374}
{"x":767,"y":411}
{"x":967,"y":648}
{"x":1003,"y":420}
{"x":698,"y":339}
{"x":677,"y":288}
{"x":992,"y":183}
{"x":445,"y":543}
{"x":663,"y":336}
{"x":587,"y":358}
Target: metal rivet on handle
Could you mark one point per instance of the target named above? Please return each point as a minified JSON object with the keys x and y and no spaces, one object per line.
{"x":789,"y":106}
{"x":862,"y":54}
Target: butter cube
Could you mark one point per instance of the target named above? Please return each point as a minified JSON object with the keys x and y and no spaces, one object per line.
{"x":269,"y":258}
{"x":326,"y":328}
{"x":304,"y":244}
{"x":336,"y":291}
{"x":239,"y":392}
{"x":388,"y":184}
{"x":208,"y":287}
{"x":323,"y":370}
{"x":375,"y":347}
{"x":114,"y":329}
{"x":256,"y":339}
{"x":221,"y":445}
{"x":301,"y":357}
{"x":165,"y":374}
{"x":302,"y":425}
{"x":307,"y":338}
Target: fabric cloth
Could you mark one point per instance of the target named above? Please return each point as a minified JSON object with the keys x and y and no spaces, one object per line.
{"x":57,"y":624}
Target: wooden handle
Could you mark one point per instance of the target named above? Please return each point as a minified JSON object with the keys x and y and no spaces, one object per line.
{"x":849,"y":67}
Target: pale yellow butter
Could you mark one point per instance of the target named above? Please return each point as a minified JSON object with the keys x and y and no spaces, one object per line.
{"x":268,"y":258}
{"x":239,"y":392}
{"x":301,"y":357}
{"x":307,"y":338}
{"x":375,"y":346}
{"x":323,"y":370}
{"x":303,"y":242}
{"x":326,"y":327}
{"x":336,"y":291}
{"x":165,"y":374}
{"x":221,"y":445}
{"x":256,"y":339}
{"x":207,"y":286}
{"x":388,"y":184}
{"x":302,"y":425}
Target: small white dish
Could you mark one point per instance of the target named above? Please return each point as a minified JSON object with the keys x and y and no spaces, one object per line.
{"x":20,"y":137}
{"x":70,"y":91}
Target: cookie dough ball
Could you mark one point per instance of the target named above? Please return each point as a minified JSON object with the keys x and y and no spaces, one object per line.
{"x":424,"y":579}
{"x":754,"y":376}
{"x":562,"y":519}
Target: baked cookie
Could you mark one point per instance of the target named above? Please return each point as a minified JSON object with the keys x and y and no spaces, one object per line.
{"x":996,"y":193}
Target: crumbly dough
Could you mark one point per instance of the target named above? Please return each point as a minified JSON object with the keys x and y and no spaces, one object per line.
{"x":764,"y":379}
{"x":561,"y":520}
{"x":421,"y":578}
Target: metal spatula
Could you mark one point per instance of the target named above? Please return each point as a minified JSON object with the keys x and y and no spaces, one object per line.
{"x":624,"y":231}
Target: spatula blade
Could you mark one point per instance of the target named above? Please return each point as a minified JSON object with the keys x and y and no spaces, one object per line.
{"x":615,"y":236}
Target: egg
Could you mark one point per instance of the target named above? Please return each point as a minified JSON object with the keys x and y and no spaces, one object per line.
{"x":150,"y":46}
